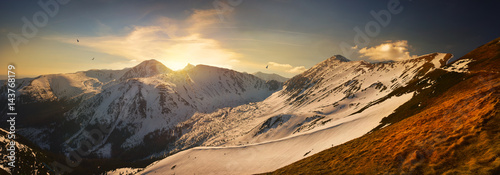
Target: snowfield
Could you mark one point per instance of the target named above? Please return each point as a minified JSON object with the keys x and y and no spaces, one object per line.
{"x":268,"y":156}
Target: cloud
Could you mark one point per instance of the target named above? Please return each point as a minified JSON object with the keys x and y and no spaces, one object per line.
{"x":286,"y":67}
{"x":202,"y":19}
{"x":395,"y":51}
{"x":172,"y":42}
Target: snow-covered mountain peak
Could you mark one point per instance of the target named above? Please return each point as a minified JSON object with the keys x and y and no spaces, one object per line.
{"x":147,"y":68}
{"x":339,"y":58}
{"x":153,"y":64}
{"x":150,"y":62}
{"x":330,"y":63}
{"x":347,"y":79}
{"x":189,"y":66}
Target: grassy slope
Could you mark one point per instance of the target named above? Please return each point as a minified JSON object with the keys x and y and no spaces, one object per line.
{"x":455,"y":133}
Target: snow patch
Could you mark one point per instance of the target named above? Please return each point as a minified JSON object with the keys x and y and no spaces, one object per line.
{"x":124,"y":171}
{"x":460,"y":66}
{"x":437,"y":60}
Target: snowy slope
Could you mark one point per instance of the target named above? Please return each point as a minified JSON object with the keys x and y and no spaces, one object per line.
{"x":333,"y":102}
{"x":267,"y":156}
{"x":81,"y":85}
{"x":45,"y":98}
{"x":69,"y":87}
{"x":141,"y":111}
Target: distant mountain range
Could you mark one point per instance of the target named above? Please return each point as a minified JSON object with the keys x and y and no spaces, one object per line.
{"x":141,"y":106}
{"x":268,"y":77}
{"x":339,"y":117}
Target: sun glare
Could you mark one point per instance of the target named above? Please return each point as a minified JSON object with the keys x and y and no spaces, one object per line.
{"x":175,"y":65}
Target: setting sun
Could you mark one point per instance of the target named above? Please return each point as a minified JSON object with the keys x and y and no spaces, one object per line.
{"x":175,"y":66}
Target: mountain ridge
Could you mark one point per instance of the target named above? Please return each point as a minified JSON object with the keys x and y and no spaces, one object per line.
{"x":140,"y":104}
{"x":328,"y":99}
{"x":267,"y":77}
{"x":452,"y":133}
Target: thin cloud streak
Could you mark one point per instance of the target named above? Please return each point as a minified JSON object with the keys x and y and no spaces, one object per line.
{"x":264,"y":41}
{"x":286,"y":67}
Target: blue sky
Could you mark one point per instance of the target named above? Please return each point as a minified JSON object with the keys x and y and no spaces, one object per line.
{"x":245,"y":35}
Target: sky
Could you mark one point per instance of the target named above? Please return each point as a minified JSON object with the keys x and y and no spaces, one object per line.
{"x":289,"y":36}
